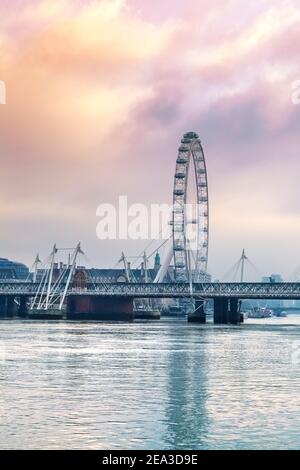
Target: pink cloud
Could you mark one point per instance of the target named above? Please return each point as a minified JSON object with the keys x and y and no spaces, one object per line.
{"x":99,"y":94}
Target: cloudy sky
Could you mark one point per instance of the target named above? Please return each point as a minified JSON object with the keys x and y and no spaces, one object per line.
{"x":99,"y":94}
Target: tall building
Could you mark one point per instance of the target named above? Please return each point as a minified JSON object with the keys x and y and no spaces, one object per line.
{"x":157,"y":263}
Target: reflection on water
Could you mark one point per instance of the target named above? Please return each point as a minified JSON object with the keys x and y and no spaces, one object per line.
{"x":166,"y":384}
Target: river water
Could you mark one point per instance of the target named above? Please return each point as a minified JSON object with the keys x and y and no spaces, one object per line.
{"x":150,"y":385}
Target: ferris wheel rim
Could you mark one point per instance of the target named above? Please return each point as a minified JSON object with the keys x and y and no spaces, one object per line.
{"x":190,"y":151}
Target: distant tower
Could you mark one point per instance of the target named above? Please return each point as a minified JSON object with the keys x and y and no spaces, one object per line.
{"x":157,"y":264}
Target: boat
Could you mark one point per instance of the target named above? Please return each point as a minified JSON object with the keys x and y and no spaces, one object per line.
{"x":146,"y":313}
{"x":281,"y":313}
{"x":173,"y":311}
{"x":260,"y":312}
{"x":245,"y":314}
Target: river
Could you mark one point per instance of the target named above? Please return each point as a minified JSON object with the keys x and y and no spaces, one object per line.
{"x":150,"y":385}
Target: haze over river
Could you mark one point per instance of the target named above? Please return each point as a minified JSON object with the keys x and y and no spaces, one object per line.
{"x":150,"y":385}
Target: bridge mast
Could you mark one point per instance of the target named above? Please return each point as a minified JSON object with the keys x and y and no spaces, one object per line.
{"x":145,"y":261}
{"x":50,"y":275}
{"x":243,"y":259}
{"x":126,"y":267}
{"x":71,"y":272}
{"x":35,"y":267}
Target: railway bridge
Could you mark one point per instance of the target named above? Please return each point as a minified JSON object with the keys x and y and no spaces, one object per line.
{"x":115,"y":300}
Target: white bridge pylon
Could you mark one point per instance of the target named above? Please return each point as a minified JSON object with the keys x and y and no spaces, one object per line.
{"x":237,"y":272}
{"x":51,"y":294}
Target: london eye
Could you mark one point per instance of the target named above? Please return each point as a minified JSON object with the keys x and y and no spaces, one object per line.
{"x":190,"y":213}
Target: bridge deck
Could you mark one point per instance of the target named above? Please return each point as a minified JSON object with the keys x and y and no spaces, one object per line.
{"x":245,"y":290}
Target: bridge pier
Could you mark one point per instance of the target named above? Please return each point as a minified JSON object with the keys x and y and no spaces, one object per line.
{"x":3,"y":306}
{"x":227,"y":310}
{"x":86,"y":307}
{"x":199,"y":315}
{"x":220,"y":310}
{"x":7,"y":306}
{"x":234,"y":315}
{"x":22,"y":310}
{"x":10,"y":306}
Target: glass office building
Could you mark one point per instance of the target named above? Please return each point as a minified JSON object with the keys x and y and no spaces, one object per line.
{"x":12,"y":270}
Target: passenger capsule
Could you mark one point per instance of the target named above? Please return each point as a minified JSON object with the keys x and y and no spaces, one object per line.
{"x":179,"y":192}
{"x":191,"y":135}
{"x":182,"y":159}
{"x":180,"y":265}
{"x":178,"y":247}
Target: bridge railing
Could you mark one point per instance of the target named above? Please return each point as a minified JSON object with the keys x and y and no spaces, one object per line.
{"x":240,"y":290}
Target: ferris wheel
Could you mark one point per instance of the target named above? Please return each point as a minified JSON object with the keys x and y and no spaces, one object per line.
{"x":190,"y":213}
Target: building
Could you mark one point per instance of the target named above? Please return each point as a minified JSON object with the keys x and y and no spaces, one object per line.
{"x":272,"y":278}
{"x":137,"y":275}
{"x":117,"y":274}
{"x":10,"y":270}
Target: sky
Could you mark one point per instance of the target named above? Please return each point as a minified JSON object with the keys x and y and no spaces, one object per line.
{"x":99,"y":94}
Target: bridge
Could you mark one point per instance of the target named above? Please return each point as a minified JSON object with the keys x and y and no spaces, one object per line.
{"x":107,"y":301}
{"x":200,"y":291}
